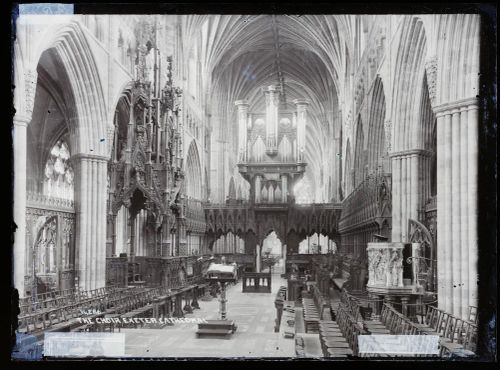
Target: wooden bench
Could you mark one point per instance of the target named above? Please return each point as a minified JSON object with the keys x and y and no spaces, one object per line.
{"x":213,"y":332}
{"x":216,"y":328}
{"x":338,"y":352}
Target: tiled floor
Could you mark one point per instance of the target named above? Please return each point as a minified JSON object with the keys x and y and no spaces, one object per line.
{"x":254,"y":314}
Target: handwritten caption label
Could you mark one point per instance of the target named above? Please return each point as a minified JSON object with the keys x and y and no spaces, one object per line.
{"x":140,"y":320}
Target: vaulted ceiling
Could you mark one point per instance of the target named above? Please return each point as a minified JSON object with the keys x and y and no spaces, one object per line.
{"x":304,"y":54}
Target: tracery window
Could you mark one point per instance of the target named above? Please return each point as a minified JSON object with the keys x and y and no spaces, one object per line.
{"x":303,"y":192}
{"x":58,"y":173}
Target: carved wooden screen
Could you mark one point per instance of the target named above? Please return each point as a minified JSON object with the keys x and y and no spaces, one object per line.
{"x":425,"y":259}
{"x":50,"y":250}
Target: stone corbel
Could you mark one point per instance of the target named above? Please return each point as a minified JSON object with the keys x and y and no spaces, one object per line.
{"x":30,"y":80}
{"x":388,"y":135}
{"x":431,"y":72}
{"x":110,"y":139}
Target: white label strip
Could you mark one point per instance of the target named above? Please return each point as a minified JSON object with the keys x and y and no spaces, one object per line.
{"x":399,"y":344}
{"x":76,"y":344}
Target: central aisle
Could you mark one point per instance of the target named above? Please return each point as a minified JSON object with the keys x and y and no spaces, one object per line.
{"x":254,"y":314}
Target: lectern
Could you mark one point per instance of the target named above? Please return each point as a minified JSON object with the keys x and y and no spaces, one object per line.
{"x":221,"y":274}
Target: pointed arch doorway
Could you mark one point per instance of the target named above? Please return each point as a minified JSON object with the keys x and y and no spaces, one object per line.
{"x":273,"y":254}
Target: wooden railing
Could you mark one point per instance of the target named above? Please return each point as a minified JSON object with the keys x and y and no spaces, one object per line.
{"x":256,"y":282}
{"x":351,"y":304}
{"x":98,"y":302}
{"x":349,"y":327}
{"x":456,"y":335}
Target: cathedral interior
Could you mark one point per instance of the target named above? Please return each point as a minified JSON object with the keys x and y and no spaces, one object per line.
{"x":331,"y":158}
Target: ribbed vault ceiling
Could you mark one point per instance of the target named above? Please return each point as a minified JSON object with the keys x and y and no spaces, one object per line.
{"x":242,"y":54}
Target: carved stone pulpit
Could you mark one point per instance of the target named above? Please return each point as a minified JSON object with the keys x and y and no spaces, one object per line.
{"x":385,"y":268}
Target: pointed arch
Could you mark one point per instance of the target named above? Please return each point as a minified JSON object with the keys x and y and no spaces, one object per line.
{"x":285,"y":149}
{"x":88,"y":117}
{"x":232,"y":189}
{"x":458,"y":57}
{"x":239,"y":194}
{"x":376,"y":134}
{"x":193,"y":172}
{"x":409,"y":72}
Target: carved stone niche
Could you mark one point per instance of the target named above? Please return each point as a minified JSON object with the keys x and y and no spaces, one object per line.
{"x":385,"y":268}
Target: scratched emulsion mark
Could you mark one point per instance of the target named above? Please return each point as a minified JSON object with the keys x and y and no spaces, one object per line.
{"x":27,"y":348}
{"x":492,"y":341}
{"x":247,"y":73}
{"x":45,"y":8}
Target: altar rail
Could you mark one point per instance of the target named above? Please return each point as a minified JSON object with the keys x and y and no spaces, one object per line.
{"x":256,"y":282}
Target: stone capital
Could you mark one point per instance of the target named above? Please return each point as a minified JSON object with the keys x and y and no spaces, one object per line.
{"x":21,"y":121}
{"x":447,"y":108}
{"x":86,"y":156}
{"x":431,"y":73}
{"x":411,"y":152}
{"x":30,"y":81}
{"x":301,"y":103}
{"x":241,"y":104}
{"x":270,"y":89}
{"x":388,"y":135}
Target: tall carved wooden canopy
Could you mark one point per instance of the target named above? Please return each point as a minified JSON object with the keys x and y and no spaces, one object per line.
{"x":146,"y":164}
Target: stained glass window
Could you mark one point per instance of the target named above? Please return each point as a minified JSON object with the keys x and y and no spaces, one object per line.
{"x":303,"y":192}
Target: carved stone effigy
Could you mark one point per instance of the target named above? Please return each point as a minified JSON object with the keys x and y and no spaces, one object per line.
{"x":385,"y":267}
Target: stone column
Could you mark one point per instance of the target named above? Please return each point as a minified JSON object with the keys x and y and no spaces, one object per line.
{"x":396,"y":199}
{"x":19,"y":253}
{"x":257,"y":258}
{"x":24,"y":99}
{"x":242,"y":129}
{"x":301,"y":105}
{"x":457,"y":141}
{"x":90,"y":206}
{"x":284,"y":257}
{"x":407,"y":189}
